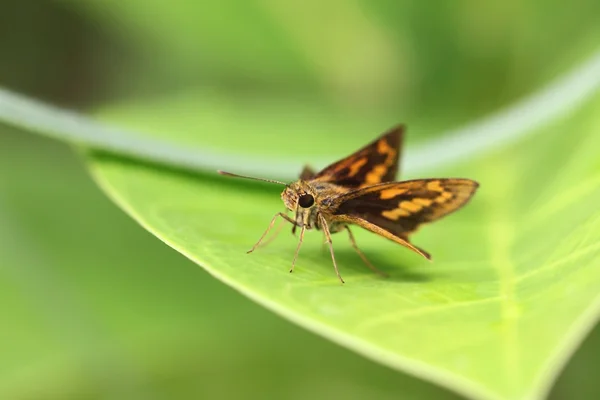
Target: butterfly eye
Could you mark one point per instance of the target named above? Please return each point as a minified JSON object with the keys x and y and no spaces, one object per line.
{"x":306,"y":200}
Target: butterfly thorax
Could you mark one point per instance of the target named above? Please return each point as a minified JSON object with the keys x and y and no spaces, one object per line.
{"x":309,"y":199}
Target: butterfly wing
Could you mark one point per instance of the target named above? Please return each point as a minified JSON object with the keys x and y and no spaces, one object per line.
{"x":307,"y":173}
{"x":375,"y":163}
{"x":396,"y":209}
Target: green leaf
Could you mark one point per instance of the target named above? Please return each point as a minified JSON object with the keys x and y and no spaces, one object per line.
{"x":95,"y":308}
{"x":167,"y":134}
{"x":512,"y":290}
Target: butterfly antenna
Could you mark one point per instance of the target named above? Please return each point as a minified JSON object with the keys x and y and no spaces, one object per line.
{"x":251,"y":177}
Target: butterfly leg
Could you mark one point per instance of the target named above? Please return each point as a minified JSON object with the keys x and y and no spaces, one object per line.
{"x":278,"y":228}
{"x":280,"y":214}
{"x":360,"y":253}
{"x":298,"y":248}
{"x":325,"y":228}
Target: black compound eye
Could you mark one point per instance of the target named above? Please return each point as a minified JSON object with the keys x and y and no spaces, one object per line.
{"x":306,"y":201}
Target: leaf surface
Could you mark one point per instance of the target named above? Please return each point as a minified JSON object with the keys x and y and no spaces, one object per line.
{"x":512,"y":290}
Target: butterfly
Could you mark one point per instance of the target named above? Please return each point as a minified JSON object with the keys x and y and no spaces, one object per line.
{"x":361,"y":190}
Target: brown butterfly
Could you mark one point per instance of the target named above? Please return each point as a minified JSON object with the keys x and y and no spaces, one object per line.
{"x":359,"y":190}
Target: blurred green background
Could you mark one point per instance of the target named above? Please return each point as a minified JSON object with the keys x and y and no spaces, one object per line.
{"x":94,"y":307}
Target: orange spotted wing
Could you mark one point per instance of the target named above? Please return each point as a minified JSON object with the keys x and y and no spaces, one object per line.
{"x":396,"y":209}
{"x":375,"y":163}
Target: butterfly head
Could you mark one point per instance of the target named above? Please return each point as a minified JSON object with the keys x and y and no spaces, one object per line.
{"x":300,"y":197}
